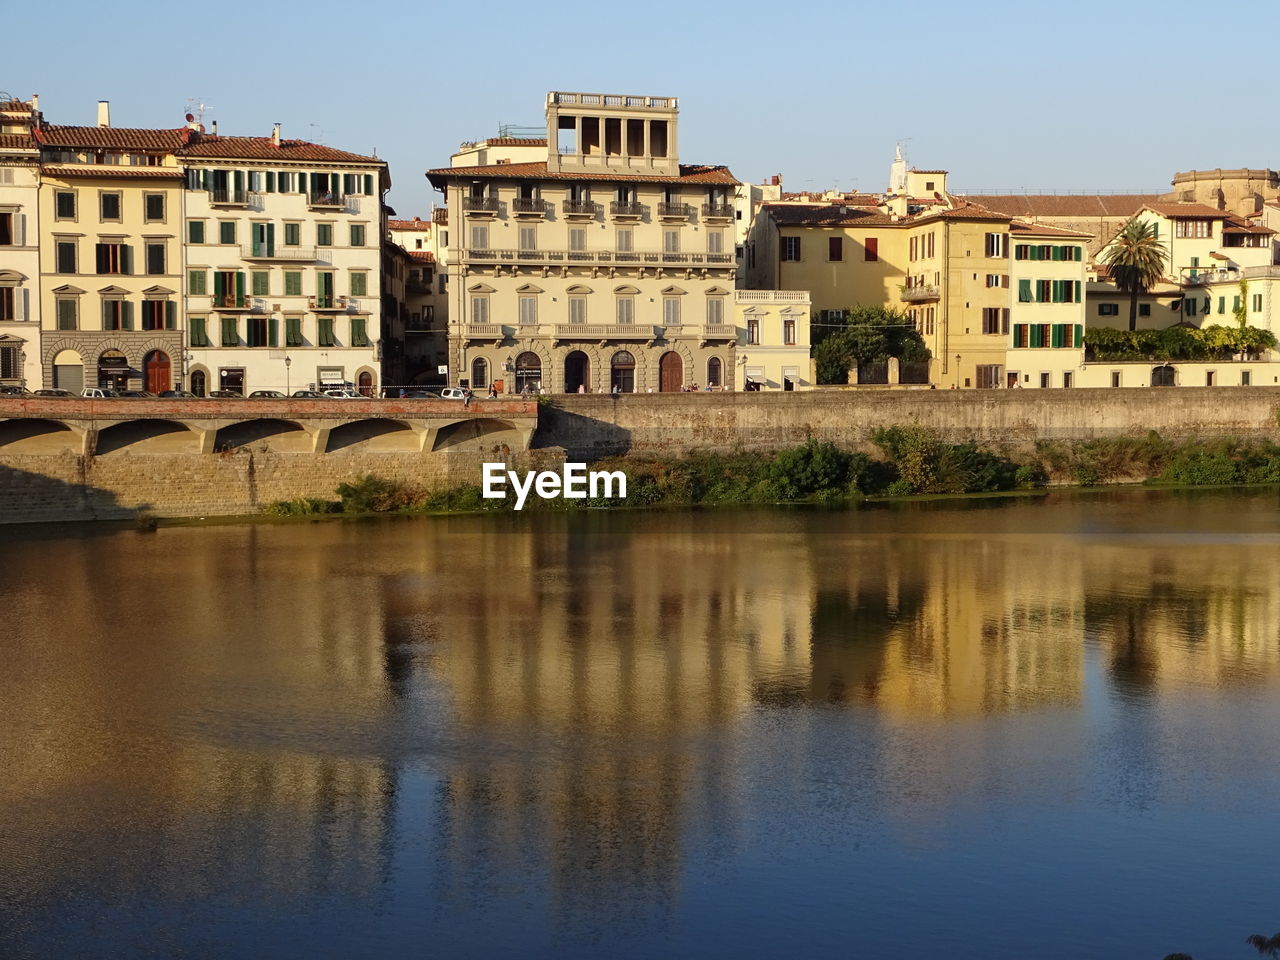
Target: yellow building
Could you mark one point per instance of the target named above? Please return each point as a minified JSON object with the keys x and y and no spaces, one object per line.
{"x":773,"y":340}
{"x":19,"y":245}
{"x":1049,"y":273}
{"x":426,"y":327}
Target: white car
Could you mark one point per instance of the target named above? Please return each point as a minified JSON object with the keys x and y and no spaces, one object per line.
{"x":341,"y":393}
{"x":98,"y":393}
{"x":453,"y":393}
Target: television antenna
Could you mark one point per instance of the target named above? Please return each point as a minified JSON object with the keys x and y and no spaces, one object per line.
{"x":196,"y":108}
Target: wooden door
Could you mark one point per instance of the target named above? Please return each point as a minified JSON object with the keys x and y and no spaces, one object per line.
{"x":156,"y":371}
{"x":670,"y":373}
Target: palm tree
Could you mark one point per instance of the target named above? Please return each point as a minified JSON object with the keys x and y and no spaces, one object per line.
{"x":1266,"y":946}
{"x":1136,"y":261}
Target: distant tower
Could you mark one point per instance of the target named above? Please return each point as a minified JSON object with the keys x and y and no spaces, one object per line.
{"x":898,"y":173}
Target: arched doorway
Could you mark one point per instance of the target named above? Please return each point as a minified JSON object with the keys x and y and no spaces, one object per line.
{"x":670,"y":373}
{"x":156,"y":370}
{"x":199,"y":383}
{"x":623,"y":366}
{"x":113,"y":370}
{"x":68,"y":371}
{"x":1162,"y":376}
{"x":479,"y":374}
{"x":528,"y":373}
{"x":714,"y":369}
{"x":577,"y":372}
{"x":364,"y":383}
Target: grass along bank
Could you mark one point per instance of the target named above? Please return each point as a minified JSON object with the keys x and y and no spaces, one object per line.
{"x":909,"y":461}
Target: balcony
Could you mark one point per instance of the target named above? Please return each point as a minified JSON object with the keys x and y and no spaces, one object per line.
{"x":230,"y":301}
{"x":674,"y":211}
{"x":417,"y":288}
{"x":253,"y":251}
{"x":771,"y":296}
{"x":580,"y":209}
{"x":920,"y":294}
{"x":717,"y":211}
{"x":326,"y":303}
{"x":325,"y":201}
{"x":626,"y":211}
{"x":1261,"y":273}
{"x":606,"y":331}
{"x":529,"y":207}
{"x":480,"y":206}
{"x":613,"y":257}
{"x":1201,"y":277}
{"x":224,"y":197}
{"x":718,"y":331}
{"x":482,"y":331}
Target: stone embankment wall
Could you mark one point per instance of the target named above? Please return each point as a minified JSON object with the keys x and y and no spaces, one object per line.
{"x":589,"y":427}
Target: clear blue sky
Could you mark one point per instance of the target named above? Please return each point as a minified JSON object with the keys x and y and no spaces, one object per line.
{"x":1009,"y":95}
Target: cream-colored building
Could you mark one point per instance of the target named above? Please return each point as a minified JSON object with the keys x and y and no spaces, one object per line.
{"x":591,"y":260}
{"x":283,"y":272}
{"x":426,"y":346}
{"x":19,"y":246}
{"x":1048,"y":275}
{"x":773,"y":340}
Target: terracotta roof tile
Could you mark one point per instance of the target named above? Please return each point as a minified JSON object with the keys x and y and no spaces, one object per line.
{"x":914,"y":170}
{"x":422,"y":256}
{"x":1189,"y":211}
{"x":414,"y":224}
{"x":1024,"y":229}
{"x":689,"y":173}
{"x":104,"y":170}
{"x":514,"y":142}
{"x":963,"y":211}
{"x":1065,"y":205}
{"x":262,"y":148}
{"x":128,"y":138}
{"x":440,"y":215}
{"x":830,"y":215}
{"x":16,"y":141}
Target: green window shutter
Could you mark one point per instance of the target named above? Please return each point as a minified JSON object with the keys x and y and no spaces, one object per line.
{"x":238,"y":179}
{"x":219,"y":284}
{"x":1235,"y":303}
{"x":358,"y":338}
{"x":273,"y":335}
{"x":368,"y":184}
{"x":1079,"y":341}
{"x":293,"y":331}
{"x":126,"y":315}
{"x":195,"y":327}
{"x":170,"y":315}
{"x":261,"y":283}
{"x":239,"y":287}
{"x":1222,"y":304}
{"x":195,"y":282}
{"x":1024,"y":291}
{"x":271,"y":239}
{"x":106,"y":315}
{"x":195,"y":231}
{"x":1076,"y":285}
{"x":126,"y":259}
{"x":1055,"y":291}
{"x":292,"y":283}
{"x":1056,"y":334}
{"x":271,"y":181}
{"x":359,"y":284}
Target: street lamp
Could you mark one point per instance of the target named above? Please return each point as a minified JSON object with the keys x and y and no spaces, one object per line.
{"x":287,"y":361}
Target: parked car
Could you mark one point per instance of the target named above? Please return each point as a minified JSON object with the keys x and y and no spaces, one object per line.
{"x":268,"y":395}
{"x":178,"y":395}
{"x":225,"y":395}
{"x":54,"y":393}
{"x":14,"y":391}
{"x":341,"y":393}
{"x":453,"y":393}
{"x":308,"y":395}
{"x":98,"y":393}
{"x":139,"y":395}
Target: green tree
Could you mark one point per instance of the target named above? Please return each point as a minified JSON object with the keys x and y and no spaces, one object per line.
{"x":1241,"y":310}
{"x":868,"y":334}
{"x":1266,"y":946}
{"x":1136,"y":260}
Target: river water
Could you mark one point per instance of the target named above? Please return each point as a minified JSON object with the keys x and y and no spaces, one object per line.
{"x":973,"y":728}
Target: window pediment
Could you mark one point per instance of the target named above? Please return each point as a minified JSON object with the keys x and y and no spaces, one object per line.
{"x":11,"y":276}
{"x":673,"y":292}
{"x":529,"y":288}
{"x":113,"y":291}
{"x":481,"y":288}
{"x":67,"y":290}
{"x":717,"y":292}
{"x":626,"y":290}
{"x":158,"y":291}
{"x":579,"y":289}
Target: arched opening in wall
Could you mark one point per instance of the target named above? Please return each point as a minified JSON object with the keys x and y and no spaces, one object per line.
{"x":199,"y":382}
{"x":68,"y":371}
{"x":670,"y":373}
{"x":146,"y":436}
{"x":1163,"y":376}
{"x":479,"y":374}
{"x":37,"y":436}
{"x":714,"y":373}
{"x":113,"y":370}
{"x":622,"y":369}
{"x":364,"y":383}
{"x":577,"y":372}
{"x":528,"y":373}
{"x":374,"y":435}
{"x":156,"y":371}
{"x":477,"y":434}
{"x":283,"y":436}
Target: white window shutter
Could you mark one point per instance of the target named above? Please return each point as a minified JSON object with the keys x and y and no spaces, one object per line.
{"x":20,"y":303}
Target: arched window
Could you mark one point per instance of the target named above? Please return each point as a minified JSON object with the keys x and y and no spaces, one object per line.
{"x":198,"y":383}
{"x":623,"y":372}
{"x":713,"y":373}
{"x":479,"y":374}
{"x":528,"y":373}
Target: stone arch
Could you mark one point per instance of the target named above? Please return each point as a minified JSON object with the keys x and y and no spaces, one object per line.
{"x":372,"y":384}
{"x":38,"y":436}
{"x":648,"y":360}
{"x":203,"y":371}
{"x":598,"y":374}
{"x":544,"y":355}
{"x":285,"y":436}
{"x":477,"y":434}
{"x":374,"y":434}
{"x":147,"y":436}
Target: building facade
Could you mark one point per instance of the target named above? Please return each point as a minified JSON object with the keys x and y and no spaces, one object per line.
{"x":1048,"y":274}
{"x":772,"y":341}
{"x":19,"y":246}
{"x":426,"y":344}
{"x":605,"y":262}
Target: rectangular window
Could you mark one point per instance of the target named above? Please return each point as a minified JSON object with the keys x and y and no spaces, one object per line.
{"x":871,"y":250}
{"x":259,"y":282}
{"x":1067,"y":378}
{"x":199,"y":334}
{"x":715,"y":311}
{"x":324,"y":328}
{"x":230,"y":335}
{"x":68,"y":313}
{"x":996,"y":244}
{"x":790,"y":248}
{"x":1189,"y":306}
{"x":227,"y":231}
{"x":359,"y":336}
{"x":835,"y":248}
{"x":66,"y":256}
{"x":117,"y":315}
{"x":1045,"y":381}
{"x":292,"y":234}
{"x":114,"y":258}
{"x":155,"y":259}
{"x":153,"y":314}
{"x":357,"y":235}
{"x":197,"y":283}
{"x":293,"y":283}
{"x":359,"y":284}
{"x":625,"y":240}
{"x":1024,"y":291}
{"x":670,"y":241}
{"x":1019,"y":334}
{"x":1116,"y":378}
{"x":293,"y":331}
{"x":715,"y":241}
{"x":480,"y":309}
{"x":153,"y":207}
{"x":528,"y":238}
{"x":671,"y":311}
{"x":324,"y":234}
{"x":195,"y":231}
{"x":991,"y":320}
{"x":753,"y":330}
{"x":64,"y":205}
{"x":1108,"y":309}
{"x":110,"y":203}
{"x":993,"y":280}
{"x":789,"y":332}
{"x":1246,"y":378}
{"x":1257,"y":303}
{"x":626,"y":310}
{"x":577,"y":309}
{"x":577,"y":239}
{"x":528,"y":309}
{"x":1144,"y":309}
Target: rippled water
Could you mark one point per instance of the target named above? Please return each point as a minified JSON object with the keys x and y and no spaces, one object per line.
{"x":991,"y":729}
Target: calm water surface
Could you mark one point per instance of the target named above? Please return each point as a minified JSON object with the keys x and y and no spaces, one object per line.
{"x":986,"y":729}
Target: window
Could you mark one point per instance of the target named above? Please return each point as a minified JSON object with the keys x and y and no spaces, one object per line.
{"x":260,"y":283}
{"x":64,"y":205}
{"x":479,"y":373}
{"x":230,"y":335}
{"x":480,"y":309}
{"x":528,"y":309}
{"x":1024,"y":291}
{"x":195,"y":231}
{"x":577,"y":239}
{"x":324,"y":326}
{"x":671,"y":311}
{"x":835,"y":248}
{"x":995,"y":320}
{"x":359,"y":284}
{"x":1067,"y":379}
{"x":753,"y":330}
{"x":110,"y":206}
{"x":9,"y":368}
{"x":155,"y":259}
{"x":1222,"y":304}
{"x":324,"y":234}
{"x":198,"y":333}
{"x":1045,"y":382}
{"x":292,"y":234}
{"x":117,"y":315}
{"x":1108,"y":309}
{"x":1116,"y":379}
{"x":159,"y":315}
{"x":790,"y":248}
{"x":1144,"y":309}
{"x":293,"y":283}
{"x":1257,"y":303}
{"x":293,"y":331}
{"x":10,"y":297}
{"x":153,"y":207}
{"x":1192,"y":228}
{"x":625,"y":240}
{"x":227,"y":231}
{"x":715,"y":311}
{"x":66,"y":252}
{"x":528,"y":238}
{"x":626,"y":309}
{"x":789,"y":331}
{"x":114,"y":258}
{"x":670,"y":241}
{"x":1210,"y":378}
{"x":197,"y":283}
{"x":715,"y":241}
{"x":357,"y":235}
{"x":68,"y":313}
{"x":997,"y":245}
{"x":988,"y":375}
{"x":1246,"y":378}
{"x":714,"y":368}
{"x":1189,"y":306}
{"x":997,"y":280}
{"x":871,"y":250}
{"x":577,"y":309}
{"x":359,"y":335}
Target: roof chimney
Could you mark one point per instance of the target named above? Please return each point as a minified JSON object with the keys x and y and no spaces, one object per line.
{"x":35,"y":102}
{"x":214,"y":128}
{"x":275,"y":135}
{"x":104,"y":113}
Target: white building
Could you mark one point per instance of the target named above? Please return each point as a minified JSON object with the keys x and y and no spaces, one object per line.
{"x":19,"y":247}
